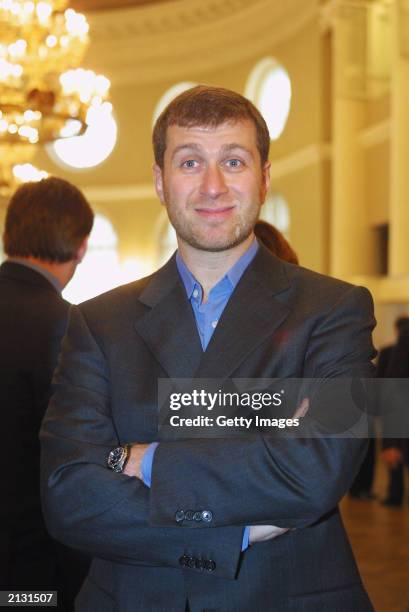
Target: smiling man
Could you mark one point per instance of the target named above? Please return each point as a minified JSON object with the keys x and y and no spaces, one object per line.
{"x":213,"y":184}
{"x":226,"y":524}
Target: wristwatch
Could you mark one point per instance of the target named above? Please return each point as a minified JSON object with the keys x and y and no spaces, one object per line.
{"x":118,"y":457}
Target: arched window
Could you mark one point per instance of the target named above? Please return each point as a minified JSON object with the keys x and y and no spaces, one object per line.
{"x":275,"y":210}
{"x":269,"y":88}
{"x":90,"y":149}
{"x":100,"y":270}
{"x":170,"y":95}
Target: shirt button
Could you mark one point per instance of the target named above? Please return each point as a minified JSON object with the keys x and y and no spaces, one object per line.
{"x":195,"y":293}
{"x":207,"y":516}
{"x":214,"y":323}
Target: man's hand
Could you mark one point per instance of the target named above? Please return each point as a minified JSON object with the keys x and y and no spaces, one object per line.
{"x":392,"y":457}
{"x":133,"y":465}
{"x":262,"y":533}
{"x":302,"y":409}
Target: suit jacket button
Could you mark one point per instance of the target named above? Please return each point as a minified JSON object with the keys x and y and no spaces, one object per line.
{"x":189,"y":514}
{"x":199,"y":564}
{"x":179,"y":516}
{"x":197,"y":516}
{"x":209,"y":565}
{"x":207,"y":516}
{"x":183,"y":561}
{"x":192,"y":562}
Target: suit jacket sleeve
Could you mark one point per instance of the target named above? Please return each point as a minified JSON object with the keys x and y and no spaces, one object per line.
{"x":263,"y":480}
{"x":86,"y":505}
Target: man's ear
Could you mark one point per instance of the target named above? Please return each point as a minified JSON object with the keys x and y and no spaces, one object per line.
{"x":158,"y":181}
{"x":82,"y":249}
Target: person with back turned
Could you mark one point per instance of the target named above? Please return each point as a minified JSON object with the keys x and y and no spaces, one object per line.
{"x":395,"y":451}
{"x":275,"y":242}
{"x":233,"y":524}
{"x":45,"y":237}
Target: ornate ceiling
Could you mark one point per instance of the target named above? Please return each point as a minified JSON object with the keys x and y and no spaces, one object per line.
{"x":148,"y":41}
{"x":86,"y":6}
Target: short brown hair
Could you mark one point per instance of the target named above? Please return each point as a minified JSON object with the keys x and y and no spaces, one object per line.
{"x":273,"y":239}
{"x":208,"y":107}
{"x":47,"y":220}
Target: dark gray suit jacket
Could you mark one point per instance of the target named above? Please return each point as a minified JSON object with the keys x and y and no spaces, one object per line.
{"x":281,"y":321}
{"x":33,"y":320}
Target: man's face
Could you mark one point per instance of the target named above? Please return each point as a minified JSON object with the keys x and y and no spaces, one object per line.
{"x":212,"y":184}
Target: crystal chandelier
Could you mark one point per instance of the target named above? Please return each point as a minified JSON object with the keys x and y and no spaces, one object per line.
{"x":44,"y":94}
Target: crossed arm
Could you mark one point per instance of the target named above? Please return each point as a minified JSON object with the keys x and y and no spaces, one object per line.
{"x":288,"y":483}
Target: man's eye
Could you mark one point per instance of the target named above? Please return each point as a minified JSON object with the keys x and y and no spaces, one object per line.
{"x":234,"y":163}
{"x":189,"y":163}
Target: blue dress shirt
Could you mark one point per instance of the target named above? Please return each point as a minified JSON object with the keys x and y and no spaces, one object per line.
{"x":207,"y":316}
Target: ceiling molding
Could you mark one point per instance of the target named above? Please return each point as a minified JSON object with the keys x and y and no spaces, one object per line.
{"x":87,"y":6}
{"x":375,"y":134}
{"x":119,"y":193}
{"x":384,"y":289}
{"x":172,"y":40}
{"x":301,"y":159}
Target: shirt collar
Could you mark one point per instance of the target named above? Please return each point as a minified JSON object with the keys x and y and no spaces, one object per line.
{"x":47,"y":275}
{"x":232,"y":276}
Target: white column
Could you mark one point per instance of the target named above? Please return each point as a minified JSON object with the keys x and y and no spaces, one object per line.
{"x":353,"y":243}
{"x":399,"y":169}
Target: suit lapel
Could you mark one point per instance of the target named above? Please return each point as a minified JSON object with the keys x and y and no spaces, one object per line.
{"x":251,"y":315}
{"x":169,"y":327}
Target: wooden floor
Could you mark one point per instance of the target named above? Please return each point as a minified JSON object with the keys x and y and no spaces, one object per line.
{"x":380,"y":539}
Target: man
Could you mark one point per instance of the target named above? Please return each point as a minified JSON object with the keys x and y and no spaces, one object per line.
{"x":393,"y":362}
{"x":223,"y":308}
{"x":45,"y":236}
{"x":361,"y":487}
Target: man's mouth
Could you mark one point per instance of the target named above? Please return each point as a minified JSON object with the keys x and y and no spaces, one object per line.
{"x":211,"y":212}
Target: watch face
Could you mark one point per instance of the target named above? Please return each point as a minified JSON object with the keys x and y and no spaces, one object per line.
{"x":115,"y":457}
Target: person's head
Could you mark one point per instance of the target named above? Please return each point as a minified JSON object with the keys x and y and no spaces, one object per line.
{"x":401,"y":323}
{"x":48,"y":220}
{"x":275,"y":242}
{"x":211,"y":166}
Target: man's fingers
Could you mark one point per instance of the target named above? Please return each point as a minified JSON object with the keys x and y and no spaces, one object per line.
{"x":302,"y":409}
{"x":262,"y":533}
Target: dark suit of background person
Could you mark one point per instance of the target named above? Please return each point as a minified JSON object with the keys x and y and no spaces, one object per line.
{"x":33,"y":320}
{"x":362,"y":486}
{"x":398,"y":367}
{"x":296,"y":324}
{"x":395,"y":475}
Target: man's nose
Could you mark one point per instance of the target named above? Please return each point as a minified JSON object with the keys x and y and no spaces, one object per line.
{"x":213,"y":182}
